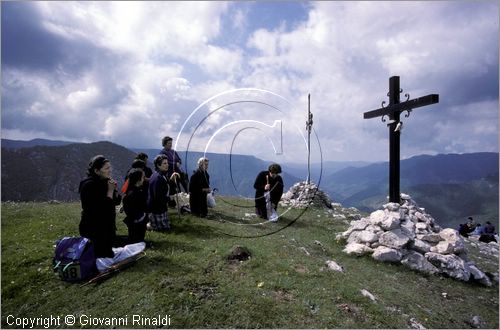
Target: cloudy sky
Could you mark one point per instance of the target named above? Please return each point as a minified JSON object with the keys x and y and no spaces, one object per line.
{"x":235,"y":76}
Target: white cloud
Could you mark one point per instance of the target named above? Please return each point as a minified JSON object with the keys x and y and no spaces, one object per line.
{"x":216,"y":61}
{"x":153,"y":63}
{"x":83,"y":98}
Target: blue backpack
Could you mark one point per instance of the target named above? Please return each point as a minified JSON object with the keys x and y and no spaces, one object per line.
{"x":74,"y":259}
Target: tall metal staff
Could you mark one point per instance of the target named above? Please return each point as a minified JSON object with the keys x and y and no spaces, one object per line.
{"x":309,"y":124}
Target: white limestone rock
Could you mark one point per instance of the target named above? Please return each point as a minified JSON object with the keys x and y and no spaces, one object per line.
{"x":332,"y":265}
{"x":450,"y":264}
{"x":355,"y":226}
{"x":413,"y":218}
{"x":452,"y":236}
{"x":414,"y":324}
{"x":392,"y":206}
{"x":420,"y":246}
{"x":367,"y":237}
{"x":431,"y":238}
{"x":359,"y":224}
{"x":368,"y":295}
{"x":420,"y":216}
{"x":421,"y":227}
{"x":374,"y":229}
{"x":386,"y":254}
{"x":479,"y":276}
{"x":443,"y":247}
{"x":408,"y":228}
{"x":354,"y":237}
{"x":377,"y":217}
{"x":417,"y":261}
{"x":357,"y":249}
{"x":390,"y":222}
{"x":394,"y":239}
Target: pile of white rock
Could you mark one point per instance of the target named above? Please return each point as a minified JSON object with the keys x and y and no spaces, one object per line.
{"x":406,"y":234}
{"x":303,"y":194}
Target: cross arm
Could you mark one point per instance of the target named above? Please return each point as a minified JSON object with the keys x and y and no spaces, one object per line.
{"x":398,"y":107}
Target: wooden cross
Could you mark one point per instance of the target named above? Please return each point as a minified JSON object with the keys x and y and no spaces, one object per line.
{"x":393,"y":111}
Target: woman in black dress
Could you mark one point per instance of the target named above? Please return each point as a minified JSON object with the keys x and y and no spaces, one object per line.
{"x":199,"y":187}
{"x":99,"y":197}
{"x":134,"y":205}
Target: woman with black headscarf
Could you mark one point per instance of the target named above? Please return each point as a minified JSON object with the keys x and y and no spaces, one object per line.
{"x":99,"y":195}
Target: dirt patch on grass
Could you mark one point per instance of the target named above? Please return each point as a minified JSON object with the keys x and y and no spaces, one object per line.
{"x":301,"y":269}
{"x":239,"y":253}
{"x":282,"y":295}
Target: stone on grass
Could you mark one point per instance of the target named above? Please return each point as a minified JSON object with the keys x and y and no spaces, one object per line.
{"x":368,"y":295}
{"x":332,"y":265}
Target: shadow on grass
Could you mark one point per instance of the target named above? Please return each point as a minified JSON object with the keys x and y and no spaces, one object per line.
{"x":169,"y":247}
{"x":234,"y":225}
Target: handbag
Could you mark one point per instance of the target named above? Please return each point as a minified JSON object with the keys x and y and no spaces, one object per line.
{"x":74,"y":259}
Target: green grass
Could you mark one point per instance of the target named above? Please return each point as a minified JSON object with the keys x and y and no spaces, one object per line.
{"x":186,"y":275}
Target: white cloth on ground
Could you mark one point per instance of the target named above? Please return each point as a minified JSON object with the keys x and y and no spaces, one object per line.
{"x":121,"y":254}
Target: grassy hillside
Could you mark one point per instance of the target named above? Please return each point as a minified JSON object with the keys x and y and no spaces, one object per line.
{"x":186,"y":275}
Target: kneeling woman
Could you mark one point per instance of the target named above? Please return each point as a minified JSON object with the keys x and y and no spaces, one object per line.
{"x":134,"y":205}
{"x":158,"y":196}
{"x":99,"y":195}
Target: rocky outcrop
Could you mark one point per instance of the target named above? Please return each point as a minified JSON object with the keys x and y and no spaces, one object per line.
{"x":303,"y":194}
{"x":406,"y":234}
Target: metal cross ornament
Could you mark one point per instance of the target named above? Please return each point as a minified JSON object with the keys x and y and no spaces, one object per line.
{"x":393,"y":112}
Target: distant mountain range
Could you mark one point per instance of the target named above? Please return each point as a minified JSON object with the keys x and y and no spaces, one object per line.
{"x":232,"y":175}
{"x":451,"y":187}
{"x":43,"y":173}
{"x":16,"y":144}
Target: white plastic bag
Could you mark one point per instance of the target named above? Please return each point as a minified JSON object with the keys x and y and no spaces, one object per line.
{"x":121,"y":253}
{"x":211,"y":199}
{"x":272,"y":215}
